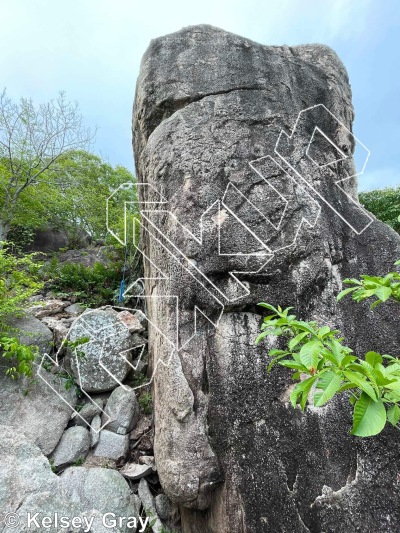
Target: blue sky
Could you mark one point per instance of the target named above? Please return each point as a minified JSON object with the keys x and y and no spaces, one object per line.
{"x":92,"y":50}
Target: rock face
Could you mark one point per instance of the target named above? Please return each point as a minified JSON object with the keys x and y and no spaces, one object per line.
{"x":229,"y":448}
{"x":31,"y":331}
{"x":28,"y":486}
{"x":103,"y":362}
{"x":35,"y":410}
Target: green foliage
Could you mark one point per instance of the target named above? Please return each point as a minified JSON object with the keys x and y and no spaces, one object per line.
{"x":146,"y":402}
{"x":19,"y":279}
{"x":96,"y":285}
{"x":380,"y":288}
{"x":384,"y":204}
{"x":324,"y":366}
{"x":20,"y":355}
{"x":33,"y":139}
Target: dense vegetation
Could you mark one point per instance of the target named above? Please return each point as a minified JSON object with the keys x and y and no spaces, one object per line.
{"x":384,"y":204}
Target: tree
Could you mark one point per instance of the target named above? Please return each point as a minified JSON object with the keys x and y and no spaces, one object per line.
{"x":32,"y":141}
{"x":85,"y":183}
{"x":384,"y":204}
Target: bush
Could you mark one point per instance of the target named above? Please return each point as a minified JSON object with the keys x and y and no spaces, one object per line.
{"x":19,"y":279}
{"x":384,"y":204}
{"x":97,"y":285}
{"x":331,"y":368}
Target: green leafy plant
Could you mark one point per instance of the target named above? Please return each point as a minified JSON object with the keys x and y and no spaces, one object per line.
{"x":380,"y":288}
{"x":21,"y":356}
{"x":324,"y":367}
{"x":19,"y":280}
{"x":384,"y":204}
{"x":94,"y":285}
{"x":146,"y":402}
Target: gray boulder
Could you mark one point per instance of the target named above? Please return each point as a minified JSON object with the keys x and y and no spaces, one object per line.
{"x":32,"y":332}
{"x":28,"y":485}
{"x":208,"y":103}
{"x":38,"y":408}
{"x":103,"y":362}
{"x":122,"y":411}
{"x":85,"y":416}
{"x":149,"y":507}
{"x":112,"y":445}
{"x":72,"y":448}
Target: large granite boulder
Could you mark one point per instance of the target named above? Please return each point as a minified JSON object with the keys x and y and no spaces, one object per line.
{"x":39,"y":407}
{"x":102,"y":363}
{"x":29,"y":490}
{"x":31,"y":331}
{"x":229,"y":447}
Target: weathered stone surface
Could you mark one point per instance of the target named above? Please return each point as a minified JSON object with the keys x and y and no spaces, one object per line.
{"x":85,"y":416}
{"x":149,"y":506}
{"x":95,"y":431}
{"x":48,"y":308}
{"x":122,"y":411}
{"x":134,"y":471}
{"x":27,"y":485}
{"x":32,"y":332}
{"x":105,"y":363}
{"x":73,"y":446}
{"x":164,"y":507}
{"x":226,"y":439}
{"x":35,"y":410}
{"x":101,"y":489}
{"x":75,"y":309}
{"x":112,"y":445}
{"x":131,"y":322}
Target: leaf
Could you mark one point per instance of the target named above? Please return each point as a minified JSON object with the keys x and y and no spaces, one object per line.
{"x":351,"y":280}
{"x":393,"y":414}
{"x":369,"y":417}
{"x":295,"y":341}
{"x":330,"y":383}
{"x":302,"y":389}
{"x":293,"y":365}
{"x":309,"y":354}
{"x":343,"y":293}
{"x":269,"y":306}
{"x":383,"y":293}
{"x":361,"y":383}
{"x":373,"y":358}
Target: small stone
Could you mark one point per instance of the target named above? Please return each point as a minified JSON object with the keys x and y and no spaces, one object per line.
{"x":73,"y":446}
{"x":51,"y":307}
{"x":150,"y":506}
{"x":122,"y":411}
{"x":75,"y":309}
{"x":112,"y":445}
{"x":131,"y":322}
{"x":95,"y":431}
{"x":142,"y":427}
{"x":164,"y":507}
{"x":149,"y":461}
{"x":134,"y":471}
{"x":85,"y":416}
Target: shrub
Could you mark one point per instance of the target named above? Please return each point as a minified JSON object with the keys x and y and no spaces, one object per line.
{"x":95,"y":285}
{"x":318,"y":352}
{"x":384,"y":204}
{"x":19,"y":279}
{"x":331,"y":367}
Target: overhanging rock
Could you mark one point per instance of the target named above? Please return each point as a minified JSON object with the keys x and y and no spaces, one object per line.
{"x":247,"y":144}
